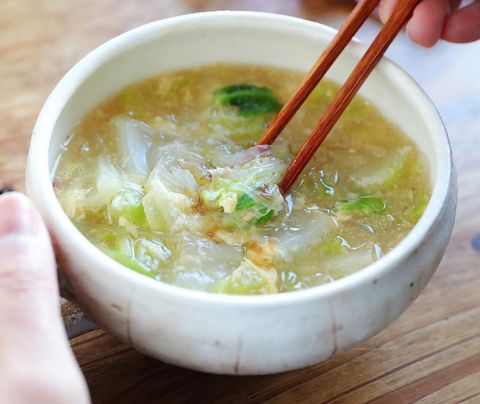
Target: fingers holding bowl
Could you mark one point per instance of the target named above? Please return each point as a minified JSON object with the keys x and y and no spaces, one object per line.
{"x":37,"y":364}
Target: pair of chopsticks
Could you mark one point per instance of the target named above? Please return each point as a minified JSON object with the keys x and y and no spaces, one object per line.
{"x":359,"y":15}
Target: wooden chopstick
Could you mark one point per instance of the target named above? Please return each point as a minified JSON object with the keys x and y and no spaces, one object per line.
{"x":399,"y":18}
{"x":355,"y":20}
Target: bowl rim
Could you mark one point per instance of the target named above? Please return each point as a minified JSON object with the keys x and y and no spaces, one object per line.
{"x":42,"y":192}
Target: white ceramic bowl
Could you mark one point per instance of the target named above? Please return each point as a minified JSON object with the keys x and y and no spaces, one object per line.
{"x":239,"y":334}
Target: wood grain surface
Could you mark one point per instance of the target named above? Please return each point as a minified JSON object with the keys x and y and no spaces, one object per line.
{"x":431,"y":354}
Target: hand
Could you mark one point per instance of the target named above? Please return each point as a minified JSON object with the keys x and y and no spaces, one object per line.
{"x":435,"y":19}
{"x":36,"y":363}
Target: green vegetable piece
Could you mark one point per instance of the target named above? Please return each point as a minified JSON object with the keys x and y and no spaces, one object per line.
{"x":245,"y":202}
{"x":265,"y":218}
{"x":247,"y":279}
{"x":249,"y":192}
{"x":249,"y":284}
{"x":248,"y":98}
{"x":370,"y":204}
{"x":129,"y":262}
{"x":127,"y":204}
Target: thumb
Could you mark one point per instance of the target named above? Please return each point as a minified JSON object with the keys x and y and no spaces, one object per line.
{"x":36,"y":363}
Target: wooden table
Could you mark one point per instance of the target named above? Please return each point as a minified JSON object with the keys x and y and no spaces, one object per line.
{"x":431,"y":354}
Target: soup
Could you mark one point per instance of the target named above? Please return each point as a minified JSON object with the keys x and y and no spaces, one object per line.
{"x":166,"y":178}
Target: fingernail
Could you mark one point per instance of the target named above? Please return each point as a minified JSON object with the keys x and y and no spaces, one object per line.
{"x":17,"y":215}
